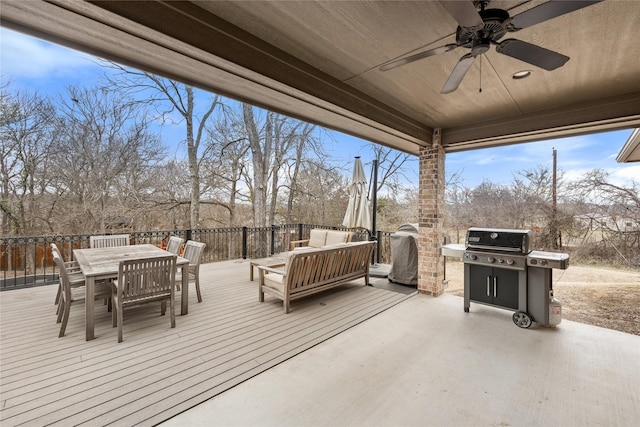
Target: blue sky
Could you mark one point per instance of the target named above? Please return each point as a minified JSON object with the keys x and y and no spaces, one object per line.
{"x":36,"y":64}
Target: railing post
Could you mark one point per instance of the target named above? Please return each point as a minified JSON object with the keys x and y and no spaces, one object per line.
{"x":373,"y":238}
{"x":244,"y":242}
{"x":273,"y":239}
{"x":299,"y":231}
{"x":188,"y":235}
{"x":379,"y":247}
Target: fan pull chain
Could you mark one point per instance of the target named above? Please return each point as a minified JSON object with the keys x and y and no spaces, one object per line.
{"x":480,"y":74}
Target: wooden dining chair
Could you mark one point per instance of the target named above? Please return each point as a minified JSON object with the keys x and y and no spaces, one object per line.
{"x":174,"y":244}
{"x":73,"y":295}
{"x":109,"y":241}
{"x":74,"y":274}
{"x":193,"y":252}
{"x":142,"y":281}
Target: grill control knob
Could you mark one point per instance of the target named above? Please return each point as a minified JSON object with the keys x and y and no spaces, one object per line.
{"x":491,"y":259}
{"x":510,"y":261}
{"x":533,"y":261}
{"x":544,"y":262}
{"x":472,"y":256}
{"x":500,"y":260}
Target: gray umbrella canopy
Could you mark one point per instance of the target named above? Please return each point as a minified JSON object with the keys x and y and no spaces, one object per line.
{"x":357,"y":215}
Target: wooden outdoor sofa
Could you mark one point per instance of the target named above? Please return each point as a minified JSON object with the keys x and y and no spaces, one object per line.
{"x":310,"y":271}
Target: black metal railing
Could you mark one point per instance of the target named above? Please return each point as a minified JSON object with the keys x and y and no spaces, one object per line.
{"x":27,"y":261}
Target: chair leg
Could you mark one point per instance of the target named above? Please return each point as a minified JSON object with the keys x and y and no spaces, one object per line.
{"x":60,"y":311}
{"x":119,"y":309}
{"x":114,"y":315}
{"x":198,"y":288}
{"x":163,"y":307}
{"x":65,"y":318}
{"x":172,"y":311}
{"x":58,"y":295}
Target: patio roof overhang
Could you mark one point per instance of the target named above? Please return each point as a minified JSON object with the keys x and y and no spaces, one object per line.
{"x":319,"y":61}
{"x":630,"y":151}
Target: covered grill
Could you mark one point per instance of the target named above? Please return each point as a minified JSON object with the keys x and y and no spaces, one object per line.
{"x":404,"y":255}
{"x":501,"y":270}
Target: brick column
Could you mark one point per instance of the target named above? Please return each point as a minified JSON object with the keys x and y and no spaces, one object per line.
{"x":430,"y":217}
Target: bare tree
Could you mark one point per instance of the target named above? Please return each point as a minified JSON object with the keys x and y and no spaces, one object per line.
{"x":307,"y":151}
{"x":168,"y":96}
{"x":261,"y":145}
{"x":391,"y":171}
{"x":229,"y":146}
{"x":279,"y":147}
{"x":27,"y":128}
{"x":614,"y":213}
{"x":103,"y":159}
{"x":322,"y":195}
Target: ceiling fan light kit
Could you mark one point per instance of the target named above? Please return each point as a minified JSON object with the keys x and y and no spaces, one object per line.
{"x":479,"y":28}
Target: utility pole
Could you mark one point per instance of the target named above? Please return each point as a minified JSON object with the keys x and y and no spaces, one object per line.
{"x":554,"y":208}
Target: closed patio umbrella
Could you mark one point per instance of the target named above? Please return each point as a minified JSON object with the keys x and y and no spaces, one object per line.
{"x":357,"y":215}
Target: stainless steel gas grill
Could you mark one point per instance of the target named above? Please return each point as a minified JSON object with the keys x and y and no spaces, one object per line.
{"x":501,"y":270}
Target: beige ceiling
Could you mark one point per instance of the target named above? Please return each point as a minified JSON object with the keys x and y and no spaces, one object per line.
{"x":319,"y":61}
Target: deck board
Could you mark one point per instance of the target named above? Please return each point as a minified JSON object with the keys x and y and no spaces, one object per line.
{"x":158,"y":372}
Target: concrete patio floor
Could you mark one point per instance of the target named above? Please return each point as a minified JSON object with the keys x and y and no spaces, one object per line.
{"x":425,"y":362}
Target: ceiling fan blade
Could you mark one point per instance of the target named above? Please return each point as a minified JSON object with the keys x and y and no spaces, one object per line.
{"x":417,"y":56}
{"x":548,"y":10}
{"x":458,"y":73}
{"x":464,"y":12}
{"x":532,"y":54}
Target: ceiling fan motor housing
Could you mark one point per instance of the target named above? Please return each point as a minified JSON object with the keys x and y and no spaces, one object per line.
{"x":494,"y":29}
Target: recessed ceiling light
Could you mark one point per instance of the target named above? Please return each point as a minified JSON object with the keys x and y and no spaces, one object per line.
{"x":521,"y":74}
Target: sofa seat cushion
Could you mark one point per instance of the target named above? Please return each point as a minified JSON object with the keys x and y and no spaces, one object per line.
{"x":335,"y":245}
{"x":274,"y":281}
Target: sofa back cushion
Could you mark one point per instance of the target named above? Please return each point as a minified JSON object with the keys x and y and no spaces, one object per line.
{"x":317,"y":238}
{"x":334,"y":237}
{"x":296,"y":251}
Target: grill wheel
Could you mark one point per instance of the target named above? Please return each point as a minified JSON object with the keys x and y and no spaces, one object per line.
{"x":522,"y":319}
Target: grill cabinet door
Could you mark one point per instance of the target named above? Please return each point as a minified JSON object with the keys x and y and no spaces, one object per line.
{"x":506,"y":288}
{"x":480,"y":284}
{"x":494,"y":286}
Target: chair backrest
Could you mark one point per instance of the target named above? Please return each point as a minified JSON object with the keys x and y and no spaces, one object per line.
{"x":64,"y":277}
{"x":54,"y":249}
{"x":193,"y":252}
{"x":141,"y":279}
{"x":109,"y":241}
{"x":173,"y":245}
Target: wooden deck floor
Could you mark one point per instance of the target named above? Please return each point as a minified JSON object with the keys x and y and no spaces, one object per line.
{"x":158,"y":372}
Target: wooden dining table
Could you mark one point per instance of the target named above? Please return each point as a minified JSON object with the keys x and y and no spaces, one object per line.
{"x":103,"y":263}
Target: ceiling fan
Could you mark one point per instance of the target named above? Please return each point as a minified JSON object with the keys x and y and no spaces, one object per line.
{"x":480,"y":27}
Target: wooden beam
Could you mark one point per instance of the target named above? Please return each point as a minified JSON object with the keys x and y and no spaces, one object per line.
{"x":194,"y":26}
{"x":86,"y":27}
{"x":613,"y":113}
